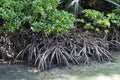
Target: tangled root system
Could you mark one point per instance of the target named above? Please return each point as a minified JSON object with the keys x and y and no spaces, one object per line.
{"x":45,"y":52}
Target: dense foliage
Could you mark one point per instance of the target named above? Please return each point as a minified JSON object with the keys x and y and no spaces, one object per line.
{"x":36,"y":15}
{"x":115,"y":17}
{"x":100,"y":21}
{"x":96,"y":19}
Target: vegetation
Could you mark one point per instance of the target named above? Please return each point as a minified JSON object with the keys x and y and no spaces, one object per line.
{"x":34,"y":15}
{"x":42,"y":34}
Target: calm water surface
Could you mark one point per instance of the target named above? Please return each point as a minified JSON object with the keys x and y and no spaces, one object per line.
{"x":95,"y":71}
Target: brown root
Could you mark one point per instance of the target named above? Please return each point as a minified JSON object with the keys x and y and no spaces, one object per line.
{"x":59,"y":50}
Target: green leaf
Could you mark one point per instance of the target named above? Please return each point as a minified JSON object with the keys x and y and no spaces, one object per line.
{"x":97,"y":29}
{"x":106,"y":31}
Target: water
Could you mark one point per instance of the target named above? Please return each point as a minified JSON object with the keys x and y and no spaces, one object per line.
{"x":95,"y":71}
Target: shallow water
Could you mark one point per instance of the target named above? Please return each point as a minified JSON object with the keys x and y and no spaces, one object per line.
{"x":95,"y":71}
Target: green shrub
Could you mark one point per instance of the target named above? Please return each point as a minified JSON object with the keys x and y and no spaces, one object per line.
{"x":8,"y":16}
{"x":96,"y":20}
{"x":97,"y":17}
{"x":37,"y":15}
{"x":99,"y":21}
{"x":114,"y":17}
